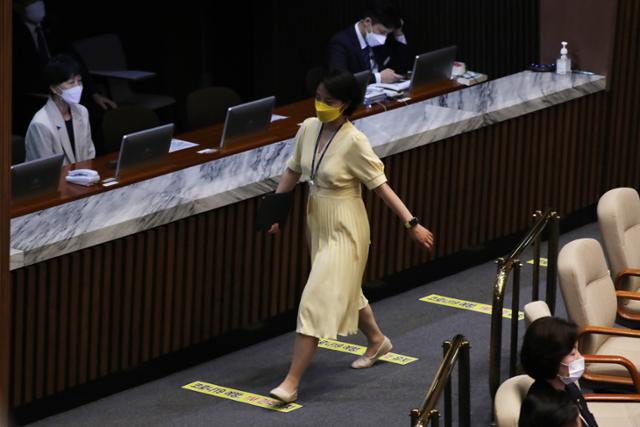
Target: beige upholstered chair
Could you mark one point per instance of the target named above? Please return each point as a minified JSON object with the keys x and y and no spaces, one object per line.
{"x":619,"y":220}
{"x":590,"y":299}
{"x":620,"y":410}
{"x":535,"y":310}
{"x":509,"y":398}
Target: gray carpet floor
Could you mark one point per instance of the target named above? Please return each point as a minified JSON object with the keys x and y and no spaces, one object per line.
{"x":331,"y":394}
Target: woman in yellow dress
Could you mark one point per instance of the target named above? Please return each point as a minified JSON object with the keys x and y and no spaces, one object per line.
{"x":336,"y":158}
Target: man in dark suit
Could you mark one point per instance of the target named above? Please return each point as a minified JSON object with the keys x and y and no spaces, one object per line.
{"x":35,"y":41}
{"x":374,"y":43}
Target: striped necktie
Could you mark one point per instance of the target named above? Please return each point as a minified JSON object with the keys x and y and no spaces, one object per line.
{"x":370,"y":58}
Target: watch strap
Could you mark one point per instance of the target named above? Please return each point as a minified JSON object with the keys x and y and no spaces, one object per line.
{"x":411,"y":223}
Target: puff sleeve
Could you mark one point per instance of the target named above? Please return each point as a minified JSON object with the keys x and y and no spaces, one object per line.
{"x":364,"y":164}
{"x":294,"y":161}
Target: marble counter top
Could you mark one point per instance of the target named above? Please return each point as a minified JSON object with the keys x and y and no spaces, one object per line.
{"x":123,"y":211}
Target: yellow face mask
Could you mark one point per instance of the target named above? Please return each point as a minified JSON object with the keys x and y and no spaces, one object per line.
{"x":327,"y":113}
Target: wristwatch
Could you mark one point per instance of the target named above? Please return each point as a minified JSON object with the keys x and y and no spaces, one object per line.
{"x":411,"y":223}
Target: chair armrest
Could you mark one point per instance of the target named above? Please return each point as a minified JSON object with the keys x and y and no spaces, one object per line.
{"x":132,"y":75}
{"x":626,"y":273}
{"x":622,"y":311}
{"x":593,"y":397}
{"x":602,"y":330}
{"x":618,"y":360}
{"x":628,"y":295}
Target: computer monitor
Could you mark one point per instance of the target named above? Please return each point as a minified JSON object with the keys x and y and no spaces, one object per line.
{"x":363,"y":81}
{"x":36,"y":177}
{"x":247,"y":119}
{"x":433,"y":66}
{"x":143,"y":147}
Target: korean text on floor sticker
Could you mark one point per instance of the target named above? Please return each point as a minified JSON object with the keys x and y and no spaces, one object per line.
{"x":359,"y":350}
{"x":543,"y":262}
{"x":467,"y":305}
{"x":241,"y":396}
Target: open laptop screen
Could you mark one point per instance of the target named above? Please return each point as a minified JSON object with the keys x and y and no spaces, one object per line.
{"x":247,"y":119}
{"x":36,"y":177}
{"x":433,"y":66}
{"x":143,"y":147}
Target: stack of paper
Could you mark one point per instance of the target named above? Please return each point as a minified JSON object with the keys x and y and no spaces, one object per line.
{"x":397,"y":87}
{"x":374,"y":94}
{"x":470,"y":78}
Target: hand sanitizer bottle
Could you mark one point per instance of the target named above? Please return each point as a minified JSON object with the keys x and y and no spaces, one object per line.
{"x":563,"y":64}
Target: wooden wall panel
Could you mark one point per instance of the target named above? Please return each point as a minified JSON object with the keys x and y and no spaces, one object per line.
{"x":621,"y":157}
{"x":587,"y":25}
{"x":5,"y":191}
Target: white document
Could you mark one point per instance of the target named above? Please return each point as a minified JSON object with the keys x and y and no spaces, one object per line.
{"x":276,"y":117}
{"x":179,"y":144}
{"x":398,"y":87}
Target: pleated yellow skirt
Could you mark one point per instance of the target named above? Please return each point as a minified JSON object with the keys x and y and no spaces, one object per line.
{"x":338,"y":236}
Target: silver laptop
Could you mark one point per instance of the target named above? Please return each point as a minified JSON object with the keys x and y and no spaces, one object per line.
{"x":143,"y":147}
{"x":247,"y":119}
{"x":433,"y":66}
{"x":36,"y":177}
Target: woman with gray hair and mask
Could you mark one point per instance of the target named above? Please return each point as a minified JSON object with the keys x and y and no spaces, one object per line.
{"x":62,"y":125}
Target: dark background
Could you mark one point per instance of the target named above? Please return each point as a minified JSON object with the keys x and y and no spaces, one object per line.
{"x":261,"y":48}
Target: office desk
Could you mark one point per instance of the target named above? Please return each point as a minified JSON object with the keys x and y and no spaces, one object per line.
{"x":105,"y":281}
{"x":280,"y":130}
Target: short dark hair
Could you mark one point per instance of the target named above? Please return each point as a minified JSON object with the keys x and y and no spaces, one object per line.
{"x":60,"y":68}
{"x":547,"y":341}
{"x":342,"y":85}
{"x":553,"y":408}
{"x":385,"y":12}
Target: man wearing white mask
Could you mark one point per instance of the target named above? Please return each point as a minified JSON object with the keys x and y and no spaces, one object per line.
{"x":62,"y":125}
{"x":374,"y":43}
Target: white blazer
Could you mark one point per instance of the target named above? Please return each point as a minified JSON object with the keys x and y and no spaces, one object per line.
{"x":47,"y":134}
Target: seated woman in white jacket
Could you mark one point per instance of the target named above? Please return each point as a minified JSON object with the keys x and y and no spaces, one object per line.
{"x":62,"y":125}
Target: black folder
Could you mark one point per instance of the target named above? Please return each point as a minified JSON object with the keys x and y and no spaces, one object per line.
{"x":273,"y":208}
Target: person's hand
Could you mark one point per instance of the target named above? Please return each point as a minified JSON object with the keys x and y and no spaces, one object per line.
{"x":423,"y":236}
{"x":389,"y":76}
{"x":103,"y":101}
{"x":275,"y":229}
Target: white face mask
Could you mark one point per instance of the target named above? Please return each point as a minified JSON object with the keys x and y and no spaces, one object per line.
{"x":374,"y":39}
{"x":35,"y":12}
{"x":576,"y":369}
{"x":72,"y":95}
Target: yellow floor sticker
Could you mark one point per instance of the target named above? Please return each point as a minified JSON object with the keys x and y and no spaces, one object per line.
{"x":359,"y":350}
{"x":543,"y":262}
{"x":467,"y":305}
{"x":241,"y":396}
